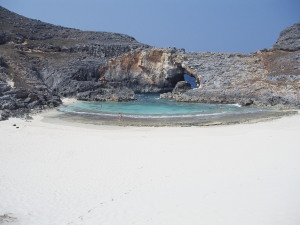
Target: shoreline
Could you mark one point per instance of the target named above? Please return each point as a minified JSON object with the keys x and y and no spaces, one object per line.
{"x":64,"y":172}
{"x":54,"y":115}
{"x":268,"y":113}
{"x":210,"y":120}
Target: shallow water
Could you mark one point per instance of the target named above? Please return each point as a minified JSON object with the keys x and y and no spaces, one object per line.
{"x":150,"y":106}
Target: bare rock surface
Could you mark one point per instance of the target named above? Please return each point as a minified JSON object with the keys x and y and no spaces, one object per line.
{"x":289,"y":39}
{"x":150,"y":70}
{"x":50,"y":62}
{"x":262,"y":78}
{"x":180,"y":88}
{"x":40,"y":63}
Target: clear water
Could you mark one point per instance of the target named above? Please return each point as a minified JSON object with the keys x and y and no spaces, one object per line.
{"x":149,"y":105}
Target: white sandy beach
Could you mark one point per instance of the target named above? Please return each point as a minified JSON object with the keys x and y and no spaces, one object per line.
{"x":58,"y":174}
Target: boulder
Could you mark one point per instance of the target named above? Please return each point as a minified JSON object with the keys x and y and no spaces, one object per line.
{"x":117,"y":95}
{"x":4,"y":114}
{"x":4,"y":38}
{"x":181,"y":87}
{"x":167,"y":95}
{"x":3,"y":88}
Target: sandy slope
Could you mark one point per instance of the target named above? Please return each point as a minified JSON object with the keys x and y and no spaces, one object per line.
{"x":56,"y":174}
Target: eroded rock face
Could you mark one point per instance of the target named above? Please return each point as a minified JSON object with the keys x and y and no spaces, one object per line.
{"x":117,"y":95}
{"x":65,"y":60}
{"x":19,"y":101}
{"x":144,"y":71}
{"x":40,"y":63}
{"x":54,"y":61}
{"x":289,"y":39}
{"x":263,"y":78}
{"x":180,"y":88}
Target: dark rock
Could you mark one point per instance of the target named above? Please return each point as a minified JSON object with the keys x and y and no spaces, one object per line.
{"x":34,"y":104}
{"x":11,"y":105}
{"x":181,"y":87}
{"x":289,"y":39}
{"x":53,"y":103}
{"x":3,"y":37}
{"x":68,"y":63}
{"x":4,"y":87}
{"x":27,"y":100}
{"x":18,"y":93}
{"x":5,"y":98}
{"x":118,"y":95}
{"x":4,"y":114}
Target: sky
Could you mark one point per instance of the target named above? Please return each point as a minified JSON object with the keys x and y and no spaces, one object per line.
{"x":242,"y":26}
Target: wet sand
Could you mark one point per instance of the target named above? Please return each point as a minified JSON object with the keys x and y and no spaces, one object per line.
{"x":212,"y":120}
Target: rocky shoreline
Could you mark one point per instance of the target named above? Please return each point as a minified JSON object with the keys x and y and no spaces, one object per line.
{"x":17,"y":102}
{"x":41,"y":63}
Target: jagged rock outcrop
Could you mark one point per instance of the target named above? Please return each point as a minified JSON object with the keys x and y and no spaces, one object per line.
{"x":58,"y":57}
{"x":144,"y":71}
{"x":262,"y":78}
{"x":180,"y":88}
{"x":118,"y":94}
{"x":40,"y":62}
{"x":265,"y":78}
{"x":56,"y":61}
{"x":289,"y":39}
{"x":19,"y":101}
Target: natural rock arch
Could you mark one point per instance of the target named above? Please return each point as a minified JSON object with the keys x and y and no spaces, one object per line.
{"x":147,"y":71}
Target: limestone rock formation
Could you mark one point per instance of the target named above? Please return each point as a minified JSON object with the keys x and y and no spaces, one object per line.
{"x":50,"y":60}
{"x":144,"y":71}
{"x":40,"y":62}
{"x":117,"y":94}
{"x":180,"y":88}
{"x":16,"y":101}
{"x":289,"y":39}
{"x":262,"y":78}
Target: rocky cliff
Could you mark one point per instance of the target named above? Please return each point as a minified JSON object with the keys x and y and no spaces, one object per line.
{"x":265,"y":78}
{"x":268,"y":77}
{"x":40,"y":62}
{"x":289,"y":39}
{"x":262,"y":78}
{"x":144,"y":71}
{"x":53,"y":61}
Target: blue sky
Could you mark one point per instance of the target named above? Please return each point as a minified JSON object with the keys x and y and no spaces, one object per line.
{"x":196,"y":25}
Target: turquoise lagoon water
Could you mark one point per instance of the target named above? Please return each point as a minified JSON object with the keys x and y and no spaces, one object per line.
{"x":151,"y":106}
